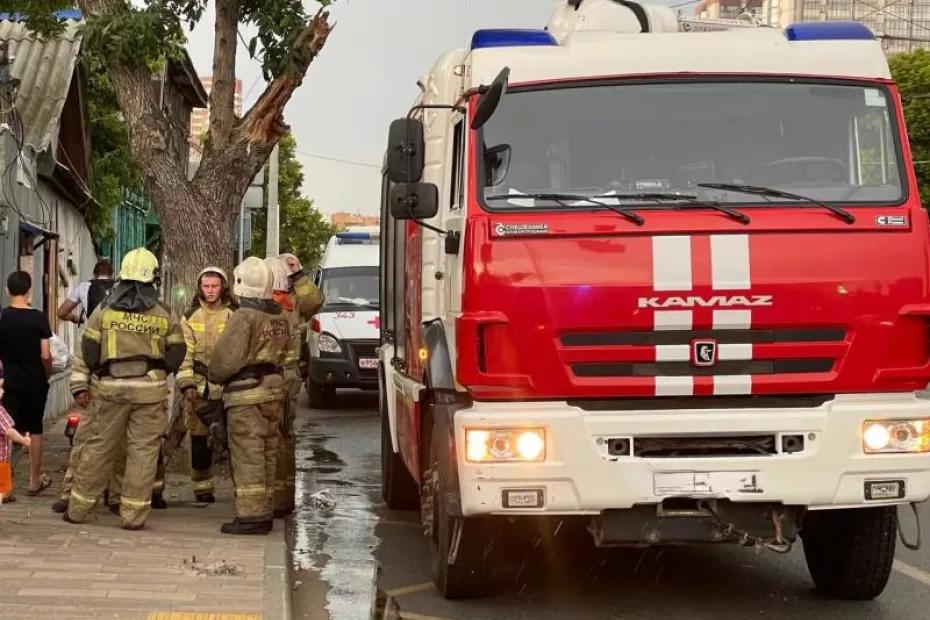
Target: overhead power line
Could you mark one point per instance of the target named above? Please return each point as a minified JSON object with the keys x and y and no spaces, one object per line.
{"x":349,"y":162}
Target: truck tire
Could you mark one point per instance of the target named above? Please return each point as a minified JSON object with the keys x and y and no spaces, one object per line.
{"x":398,"y":488}
{"x":321,"y":396}
{"x":468,"y":576}
{"x":850,"y":552}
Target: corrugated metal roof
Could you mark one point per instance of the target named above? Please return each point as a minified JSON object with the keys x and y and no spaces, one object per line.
{"x":45,"y":69}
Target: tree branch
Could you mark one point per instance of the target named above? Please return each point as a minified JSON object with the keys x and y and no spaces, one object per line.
{"x":264,"y":123}
{"x":223,"y":92}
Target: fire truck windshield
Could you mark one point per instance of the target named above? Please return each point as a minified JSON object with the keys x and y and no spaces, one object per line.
{"x":831,"y":141}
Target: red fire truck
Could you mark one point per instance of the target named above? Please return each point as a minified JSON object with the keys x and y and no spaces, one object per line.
{"x":674,"y":284}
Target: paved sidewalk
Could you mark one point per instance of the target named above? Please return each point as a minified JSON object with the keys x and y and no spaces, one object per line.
{"x":180,"y":566}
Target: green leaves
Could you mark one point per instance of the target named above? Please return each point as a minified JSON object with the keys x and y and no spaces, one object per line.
{"x":114,"y":167}
{"x":39,"y":14}
{"x":912,"y":73}
{"x":279,"y":24}
{"x":132,"y":36}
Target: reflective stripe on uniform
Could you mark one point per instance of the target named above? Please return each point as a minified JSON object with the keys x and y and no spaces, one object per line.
{"x":197,"y":327}
{"x":252,"y":489}
{"x":156,"y":347}
{"x":111,"y":346}
{"x":185,"y":374}
{"x":202,"y":485}
{"x":134,"y":503}
{"x":82,"y":499}
{"x":92,"y":334}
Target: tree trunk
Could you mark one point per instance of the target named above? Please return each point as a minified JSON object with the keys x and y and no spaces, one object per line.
{"x":197,"y":215}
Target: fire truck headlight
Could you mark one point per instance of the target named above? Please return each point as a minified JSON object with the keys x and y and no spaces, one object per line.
{"x":328,"y":344}
{"x":503,"y":445}
{"x":896,"y":436}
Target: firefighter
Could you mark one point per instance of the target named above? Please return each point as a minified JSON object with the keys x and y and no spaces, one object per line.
{"x":286,"y":467}
{"x":247,"y":360}
{"x":202,"y":326}
{"x":127,"y":351}
{"x":307,"y":296}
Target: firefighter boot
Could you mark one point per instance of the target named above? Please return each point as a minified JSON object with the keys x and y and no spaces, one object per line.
{"x":245,"y":527}
{"x":201,"y":461}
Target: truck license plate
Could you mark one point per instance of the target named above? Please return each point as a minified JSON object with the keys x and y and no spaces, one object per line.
{"x":368,"y":363}
{"x":706,"y":483}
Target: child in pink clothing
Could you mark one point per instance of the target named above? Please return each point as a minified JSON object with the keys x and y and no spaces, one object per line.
{"x":8,"y":434}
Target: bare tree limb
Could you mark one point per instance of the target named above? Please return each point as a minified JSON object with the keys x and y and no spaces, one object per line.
{"x":222,"y":94}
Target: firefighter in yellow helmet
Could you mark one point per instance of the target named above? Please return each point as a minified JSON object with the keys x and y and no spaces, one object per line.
{"x":203,"y":324}
{"x":127,"y":351}
{"x":248,"y":361}
{"x":286,"y":468}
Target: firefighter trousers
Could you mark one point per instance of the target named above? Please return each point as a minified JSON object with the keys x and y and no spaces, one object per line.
{"x":115,"y":483}
{"x":140,"y":426}
{"x":253,"y":448}
{"x":286,"y":467}
{"x":201,"y":452}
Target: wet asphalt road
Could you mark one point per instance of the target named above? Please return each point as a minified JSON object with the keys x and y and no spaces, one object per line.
{"x":357,"y":560}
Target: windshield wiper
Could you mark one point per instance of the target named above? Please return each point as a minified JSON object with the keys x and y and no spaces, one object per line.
{"x":771,"y":192}
{"x":561,"y":199}
{"x":686,"y":202}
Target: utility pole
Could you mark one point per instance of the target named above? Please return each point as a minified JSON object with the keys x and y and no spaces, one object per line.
{"x":272,"y":236}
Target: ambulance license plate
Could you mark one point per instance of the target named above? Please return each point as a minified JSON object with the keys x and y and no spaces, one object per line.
{"x":368,"y":363}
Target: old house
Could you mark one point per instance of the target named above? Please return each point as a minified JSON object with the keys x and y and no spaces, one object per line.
{"x":45,"y":168}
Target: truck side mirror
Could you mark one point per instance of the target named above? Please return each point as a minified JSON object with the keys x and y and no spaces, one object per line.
{"x":490,"y":98}
{"x":405,"y":151}
{"x":414,"y":201}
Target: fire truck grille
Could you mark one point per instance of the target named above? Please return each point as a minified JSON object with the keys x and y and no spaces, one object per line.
{"x":722,"y":336}
{"x":686,"y":369}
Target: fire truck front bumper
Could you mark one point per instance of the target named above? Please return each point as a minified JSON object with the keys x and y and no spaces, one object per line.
{"x":556,"y":458}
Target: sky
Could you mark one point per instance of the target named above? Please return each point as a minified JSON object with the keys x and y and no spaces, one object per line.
{"x":366,"y":77}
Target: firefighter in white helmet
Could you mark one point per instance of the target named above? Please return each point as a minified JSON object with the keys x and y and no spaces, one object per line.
{"x":248,"y":360}
{"x":286,"y":468}
{"x":128,"y":349}
{"x":203,"y":324}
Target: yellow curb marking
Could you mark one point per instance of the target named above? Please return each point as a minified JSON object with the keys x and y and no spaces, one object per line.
{"x":188,"y":615}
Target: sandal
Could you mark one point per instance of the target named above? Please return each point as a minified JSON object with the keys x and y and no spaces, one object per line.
{"x":44,"y":483}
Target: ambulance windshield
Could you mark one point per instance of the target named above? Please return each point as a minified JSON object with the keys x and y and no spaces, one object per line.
{"x":832,"y":141}
{"x":351,"y":287}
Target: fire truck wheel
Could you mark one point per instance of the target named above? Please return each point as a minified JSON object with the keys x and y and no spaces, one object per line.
{"x":467,"y":575}
{"x":850,"y":552}
{"x":398,"y":488}
{"x":321,"y":396}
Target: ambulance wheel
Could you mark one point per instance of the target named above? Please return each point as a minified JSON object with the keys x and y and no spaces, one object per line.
{"x":467,"y":575}
{"x":850,"y":552}
{"x":321,"y":396}
{"x":399,"y":490}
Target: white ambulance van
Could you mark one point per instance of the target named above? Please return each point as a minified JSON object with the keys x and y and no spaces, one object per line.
{"x":343,"y":338}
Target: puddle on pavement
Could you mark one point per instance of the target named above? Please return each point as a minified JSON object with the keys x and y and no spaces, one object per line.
{"x":337,"y":546}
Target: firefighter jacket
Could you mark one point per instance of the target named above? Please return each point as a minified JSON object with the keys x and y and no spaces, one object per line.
{"x":292,"y":359}
{"x":308,"y":297}
{"x":129,"y":347}
{"x":248,"y":358}
{"x":202,"y":328}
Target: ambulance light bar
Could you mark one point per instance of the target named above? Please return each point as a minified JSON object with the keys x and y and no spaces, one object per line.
{"x":829,"y":31}
{"x":511,"y":38}
{"x":357,"y":238}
